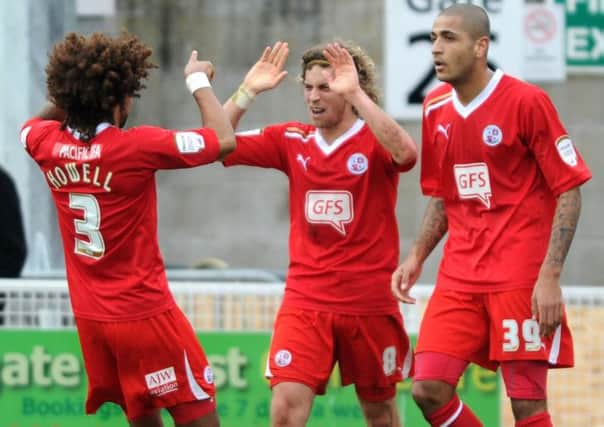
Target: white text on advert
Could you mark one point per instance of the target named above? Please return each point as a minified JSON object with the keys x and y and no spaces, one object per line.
{"x":161,"y":382}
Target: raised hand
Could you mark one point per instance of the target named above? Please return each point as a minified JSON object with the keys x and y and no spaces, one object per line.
{"x":194,"y":65}
{"x":345,"y":79}
{"x":268,"y":71}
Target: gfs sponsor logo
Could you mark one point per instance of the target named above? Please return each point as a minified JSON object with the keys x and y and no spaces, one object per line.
{"x":161,"y":382}
{"x":329,"y":207}
{"x":473,"y":182}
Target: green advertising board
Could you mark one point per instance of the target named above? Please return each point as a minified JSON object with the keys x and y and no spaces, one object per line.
{"x":43,"y":384}
{"x":584,"y":35}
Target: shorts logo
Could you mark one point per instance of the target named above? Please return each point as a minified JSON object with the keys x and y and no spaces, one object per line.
{"x":567,"y":152}
{"x":208,"y":375}
{"x":357,"y":164}
{"x":329,"y":207}
{"x":473,"y":182}
{"x":189,"y":142}
{"x":283,"y":358}
{"x":492,"y":135}
{"x":161,"y":382}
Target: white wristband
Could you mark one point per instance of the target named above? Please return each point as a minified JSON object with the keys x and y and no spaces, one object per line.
{"x":196,"y":81}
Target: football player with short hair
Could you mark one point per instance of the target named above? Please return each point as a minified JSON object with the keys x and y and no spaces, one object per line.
{"x":503,"y":178}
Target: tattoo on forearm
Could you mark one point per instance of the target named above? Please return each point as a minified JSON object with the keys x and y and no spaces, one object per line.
{"x":564,"y":225}
{"x":434,"y":226}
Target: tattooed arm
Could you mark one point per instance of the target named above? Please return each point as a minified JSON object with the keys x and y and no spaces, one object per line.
{"x":547,"y":304}
{"x":434,"y":227}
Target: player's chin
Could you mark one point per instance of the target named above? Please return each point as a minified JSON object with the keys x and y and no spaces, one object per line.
{"x":442,"y":75}
{"x":323,"y":121}
{"x":317,"y":121}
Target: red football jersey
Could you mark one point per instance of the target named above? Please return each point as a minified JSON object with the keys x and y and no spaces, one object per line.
{"x":104,"y":192}
{"x":343,"y":242}
{"x":499,"y":163}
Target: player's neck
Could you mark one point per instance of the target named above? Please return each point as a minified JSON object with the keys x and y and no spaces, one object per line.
{"x":331,"y":133}
{"x":471,"y":87}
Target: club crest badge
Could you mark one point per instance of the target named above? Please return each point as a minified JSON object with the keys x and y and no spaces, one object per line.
{"x":357,"y":164}
{"x":283,"y":358}
{"x":492,"y":135}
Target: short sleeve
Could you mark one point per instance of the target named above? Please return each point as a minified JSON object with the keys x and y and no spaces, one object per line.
{"x":160,"y":148}
{"x":557,"y":156}
{"x":385,"y":157}
{"x":33,"y":132}
{"x":259,"y":147}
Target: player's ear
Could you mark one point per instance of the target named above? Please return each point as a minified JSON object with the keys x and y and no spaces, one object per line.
{"x":481,"y":47}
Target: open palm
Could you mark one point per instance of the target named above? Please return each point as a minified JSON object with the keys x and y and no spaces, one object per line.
{"x":268,"y":71}
{"x":345,"y":78}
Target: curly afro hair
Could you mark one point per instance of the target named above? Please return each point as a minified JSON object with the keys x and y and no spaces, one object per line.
{"x":364,"y":64}
{"x":88,"y":76}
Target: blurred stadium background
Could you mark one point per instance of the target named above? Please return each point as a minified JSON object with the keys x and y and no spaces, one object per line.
{"x":240,"y":216}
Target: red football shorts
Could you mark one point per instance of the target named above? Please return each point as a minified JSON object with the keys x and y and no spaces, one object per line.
{"x":145,"y":364}
{"x":489,"y":328}
{"x":373,"y":352}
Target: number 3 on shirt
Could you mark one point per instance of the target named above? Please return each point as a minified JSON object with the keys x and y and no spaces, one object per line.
{"x":530,"y":335}
{"x":94,"y":247}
